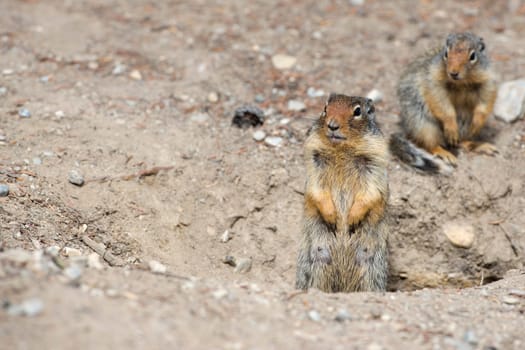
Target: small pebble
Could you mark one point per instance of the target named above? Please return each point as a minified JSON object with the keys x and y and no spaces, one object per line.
{"x":296,"y":106}
{"x":157,"y":267}
{"x":259,"y":135}
{"x":44,"y":79}
{"x":24,"y":113}
{"x":343,"y":315}
{"x":3,"y":90}
{"x":135,"y":74}
{"x":37,"y":161}
{"x":259,"y":98}
{"x":313,"y":92}
{"x":213,"y":97}
{"x":4,"y":190}
{"x":93,"y":65}
{"x":314,"y":315}
{"x":244,"y":265}
{"x":470,"y":337}
{"x":73,"y":272}
{"x":220,"y":294}
{"x":94,"y":261}
{"x":357,"y":2}
{"x":30,"y":308}
{"x":70,"y":252}
{"x":199,"y":118}
{"x":7,"y":71}
{"x":274,"y":141}
{"x":459,"y":234}
{"x":226,"y":236}
{"x":510,"y":300}
{"x":52,"y":250}
{"x":76,"y":178}
{"x":229,"y":260}
{"x":59,"y":114}
{"x":118,"y":69}
{"x":283,"y":61}
{"x":517,"y":292}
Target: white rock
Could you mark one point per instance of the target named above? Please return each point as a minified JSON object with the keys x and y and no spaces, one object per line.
{"x":510,"y":103}
{"x":357,"y":2}
{"x":59,"y":114}
{"x":220,"y":294}
{"x":73,"y":272}
{"x":70,"y":252}
{"x":313,"y":92}
{"x":30,"y":307}
{"x":52,"y":250}
{"x":135,"y":74}
{"x":93,"y":65}
{"x":76,"y":178}
{"x":459,"y":234}
{"x":343,"y":315}
{"x":200,"y":118}
{"x":94,"y":261}
{"x":283,"y":61}
{"x":259,"y":135}
{"x":243,"y":265}
{"x":296,"y":106}
{"x":314,"y":315}
{"x":157,"y":267}
{"x":226,"y":236}
{"x":510,"y":300}
{"x":213,"y":97}
{"x":274,"y":141}
{"x":119,"y":69}
{"x":375,"y":95}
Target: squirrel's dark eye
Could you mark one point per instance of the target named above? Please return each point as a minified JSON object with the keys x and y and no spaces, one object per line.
{"x":473,"y":56}
{"x":357,"y":111}
{"x":446,"y":54}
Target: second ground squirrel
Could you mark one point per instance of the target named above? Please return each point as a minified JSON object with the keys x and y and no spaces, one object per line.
{"x":446,"y":97}
{"x":344,"y":246}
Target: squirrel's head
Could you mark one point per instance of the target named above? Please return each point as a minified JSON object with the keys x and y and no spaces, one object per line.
{"x":463,"y":54}
{"x":347,"y":117}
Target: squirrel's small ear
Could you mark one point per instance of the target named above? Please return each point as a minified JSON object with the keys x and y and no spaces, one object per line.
{"x":448,"y":40}
{"x":331,"y":97}
{"x":370,"y":108}
{"x":481,"y":45}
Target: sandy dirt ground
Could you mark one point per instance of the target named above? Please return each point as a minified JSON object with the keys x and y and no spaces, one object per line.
{"x":138,"y":96}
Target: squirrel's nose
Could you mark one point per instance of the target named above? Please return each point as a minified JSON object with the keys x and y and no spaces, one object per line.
{"x":454,"y":75}
{"x":333,"y":125}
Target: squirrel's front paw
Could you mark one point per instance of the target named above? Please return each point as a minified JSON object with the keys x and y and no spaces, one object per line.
{"x":451,"y":134}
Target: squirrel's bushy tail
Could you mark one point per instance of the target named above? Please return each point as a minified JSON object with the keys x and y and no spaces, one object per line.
{"x":416,"y":157}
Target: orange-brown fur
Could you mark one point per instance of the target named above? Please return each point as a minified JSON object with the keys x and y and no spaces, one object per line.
{"x":345,"y":200}
{"x":446,"y":97}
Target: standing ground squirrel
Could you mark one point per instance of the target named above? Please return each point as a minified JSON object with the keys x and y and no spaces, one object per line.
{"x":344,"y":246}
{"x":446,"y":97}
